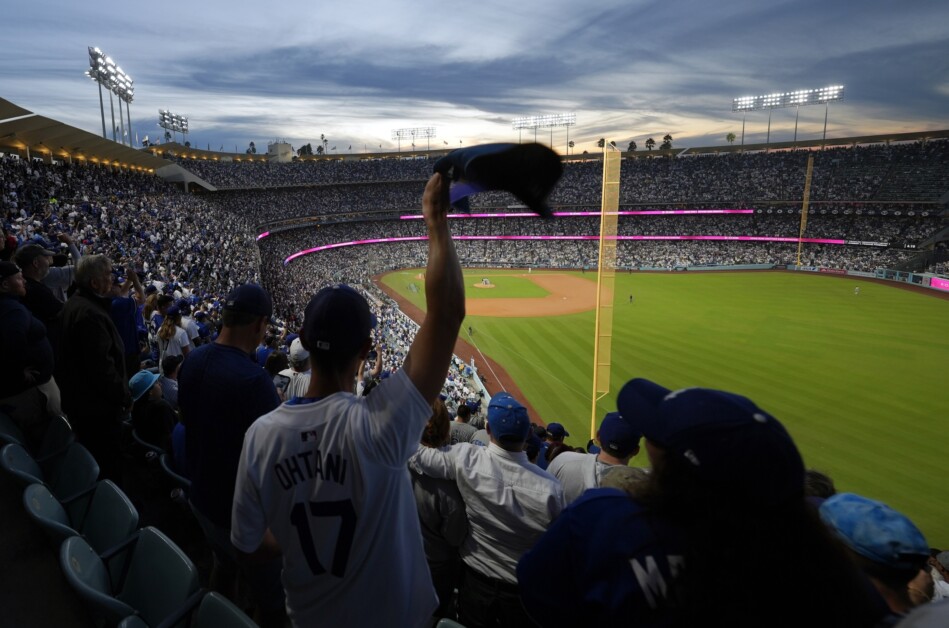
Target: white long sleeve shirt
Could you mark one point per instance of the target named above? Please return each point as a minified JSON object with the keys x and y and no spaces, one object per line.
{"x":509,"y":501}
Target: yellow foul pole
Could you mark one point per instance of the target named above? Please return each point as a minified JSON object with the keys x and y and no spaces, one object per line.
{"x":605,"y":280}
{"x":805,"y":206}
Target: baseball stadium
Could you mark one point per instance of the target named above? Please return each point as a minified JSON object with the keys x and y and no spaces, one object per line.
{"x":812,"y":278}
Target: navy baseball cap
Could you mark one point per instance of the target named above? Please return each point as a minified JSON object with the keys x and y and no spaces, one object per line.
{"x":618,"y":436}
{"x":730,"y":443}
{"x":508,"y":418}
{"x":876,"y":531}
{"x":8,"y":269}
{"x":26,"y":254}
{"x":557,"y":431}
{"x":337,"y":320}
{"x":528,"y":171}
{"x":249,"y":298}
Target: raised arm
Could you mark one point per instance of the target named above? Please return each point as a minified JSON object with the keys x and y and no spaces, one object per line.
{"x":428,"y":358}
{"x":136,"y":283}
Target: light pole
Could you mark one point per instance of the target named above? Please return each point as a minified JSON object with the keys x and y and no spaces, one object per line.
{"x":550,"y":121}
{"x":426,"y":132}
{"x":173,"y":122}
{"x":800,"y":98}
{"x":104,"y":71}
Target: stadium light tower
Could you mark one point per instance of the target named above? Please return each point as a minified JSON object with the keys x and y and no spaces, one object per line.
{"x":550,"y":121}
{"x":426,"y":132}
{"x":104,"y":71}
{"x":173,"y":122}
{"x":800,"y":98}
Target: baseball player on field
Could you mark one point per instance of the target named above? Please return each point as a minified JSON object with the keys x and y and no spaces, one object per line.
{"x":323,"y":479}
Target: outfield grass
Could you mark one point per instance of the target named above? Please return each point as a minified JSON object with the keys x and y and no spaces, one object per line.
{"x":860,"y":381}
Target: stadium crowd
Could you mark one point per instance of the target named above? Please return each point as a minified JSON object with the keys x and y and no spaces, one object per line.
{"x":146,"y":281}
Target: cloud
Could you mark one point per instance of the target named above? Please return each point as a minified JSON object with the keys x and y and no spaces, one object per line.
{"x":357,"y":70}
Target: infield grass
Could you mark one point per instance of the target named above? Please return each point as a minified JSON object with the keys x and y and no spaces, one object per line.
{"x":860,"y":381}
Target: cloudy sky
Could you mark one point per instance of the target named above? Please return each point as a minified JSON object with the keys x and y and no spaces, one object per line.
{"x":356,"y":70}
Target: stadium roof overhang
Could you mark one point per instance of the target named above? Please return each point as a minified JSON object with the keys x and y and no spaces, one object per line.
{"x":22,"y":131}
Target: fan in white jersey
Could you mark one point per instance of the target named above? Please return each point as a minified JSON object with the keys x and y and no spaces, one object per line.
{"x":323,"y":478}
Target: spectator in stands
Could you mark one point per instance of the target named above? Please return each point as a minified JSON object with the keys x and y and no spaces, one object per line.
{"x":884,"y":543}
{"x":127,"y":318}
{"x":34,"y":261}
{"x":921,"y":589}
{"x":818,"y":486}
{"x":90,"y":365}
{"x":153,"y":418}
{"x":189,"y":324}
{"x":170,"y":367}
{"x":939,"y":568}
{"x":461,"y":430}
{"x":555,"y":435}
{"x":360,"y":446}
{"x":509,"y":502}
{"x":298,"y":375}
{"x":267,"y":346}
{"x":26,"y":368}
{"x":172,"y":338}
{"x":441,"y":512}
{"x":619,"y":442}
{"x":696,"y":543}
{"x":62,"y":274}
{"x":221,"y":392}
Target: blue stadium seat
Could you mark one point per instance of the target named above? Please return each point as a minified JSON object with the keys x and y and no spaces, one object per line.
{"x":67,"y":475}
{"x":156,"y":584}
{"x":108,"y":520}
{"x":214,"y":611}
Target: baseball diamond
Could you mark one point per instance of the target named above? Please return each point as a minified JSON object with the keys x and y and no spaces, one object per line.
{"x":797,"y":343}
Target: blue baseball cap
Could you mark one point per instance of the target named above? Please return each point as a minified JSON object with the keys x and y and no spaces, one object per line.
{"x":730,"y":443}
{"x":141,"y":383}
{"x":507,"y":418}
{"x":875,"y":531}
{"x":249,"y":298}
{"x":557,"y":431}
{"x":618,"y":436}
{"x":337,"y":320}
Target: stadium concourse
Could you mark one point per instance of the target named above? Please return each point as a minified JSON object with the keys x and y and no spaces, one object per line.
{"x":181,"y":253}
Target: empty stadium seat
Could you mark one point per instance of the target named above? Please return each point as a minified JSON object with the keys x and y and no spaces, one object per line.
{"x":108,"y":520}
{"x":56,"y":439}
{"x":214,"y":611}
{"x":10,"y":432}
{"x":158,"y":581}
{"x":67,"y":475}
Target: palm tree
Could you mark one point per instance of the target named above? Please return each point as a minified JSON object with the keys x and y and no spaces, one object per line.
{"x":570,"y":145}
{"x":650,"y":143}
{"x":730,"y":138}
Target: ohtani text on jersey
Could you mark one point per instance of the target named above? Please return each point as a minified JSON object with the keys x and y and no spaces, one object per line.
{"x":309,"y":465}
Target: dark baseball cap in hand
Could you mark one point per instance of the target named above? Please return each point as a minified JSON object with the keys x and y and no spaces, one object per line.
{"x":528,"y":171}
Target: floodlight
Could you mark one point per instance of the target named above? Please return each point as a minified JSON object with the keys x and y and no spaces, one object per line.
{"x":799,"y":98}
{"x":547,"y":121}
{"x":425,"y":132}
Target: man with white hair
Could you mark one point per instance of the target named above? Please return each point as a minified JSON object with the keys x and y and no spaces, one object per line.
{"x":90,"y":365}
